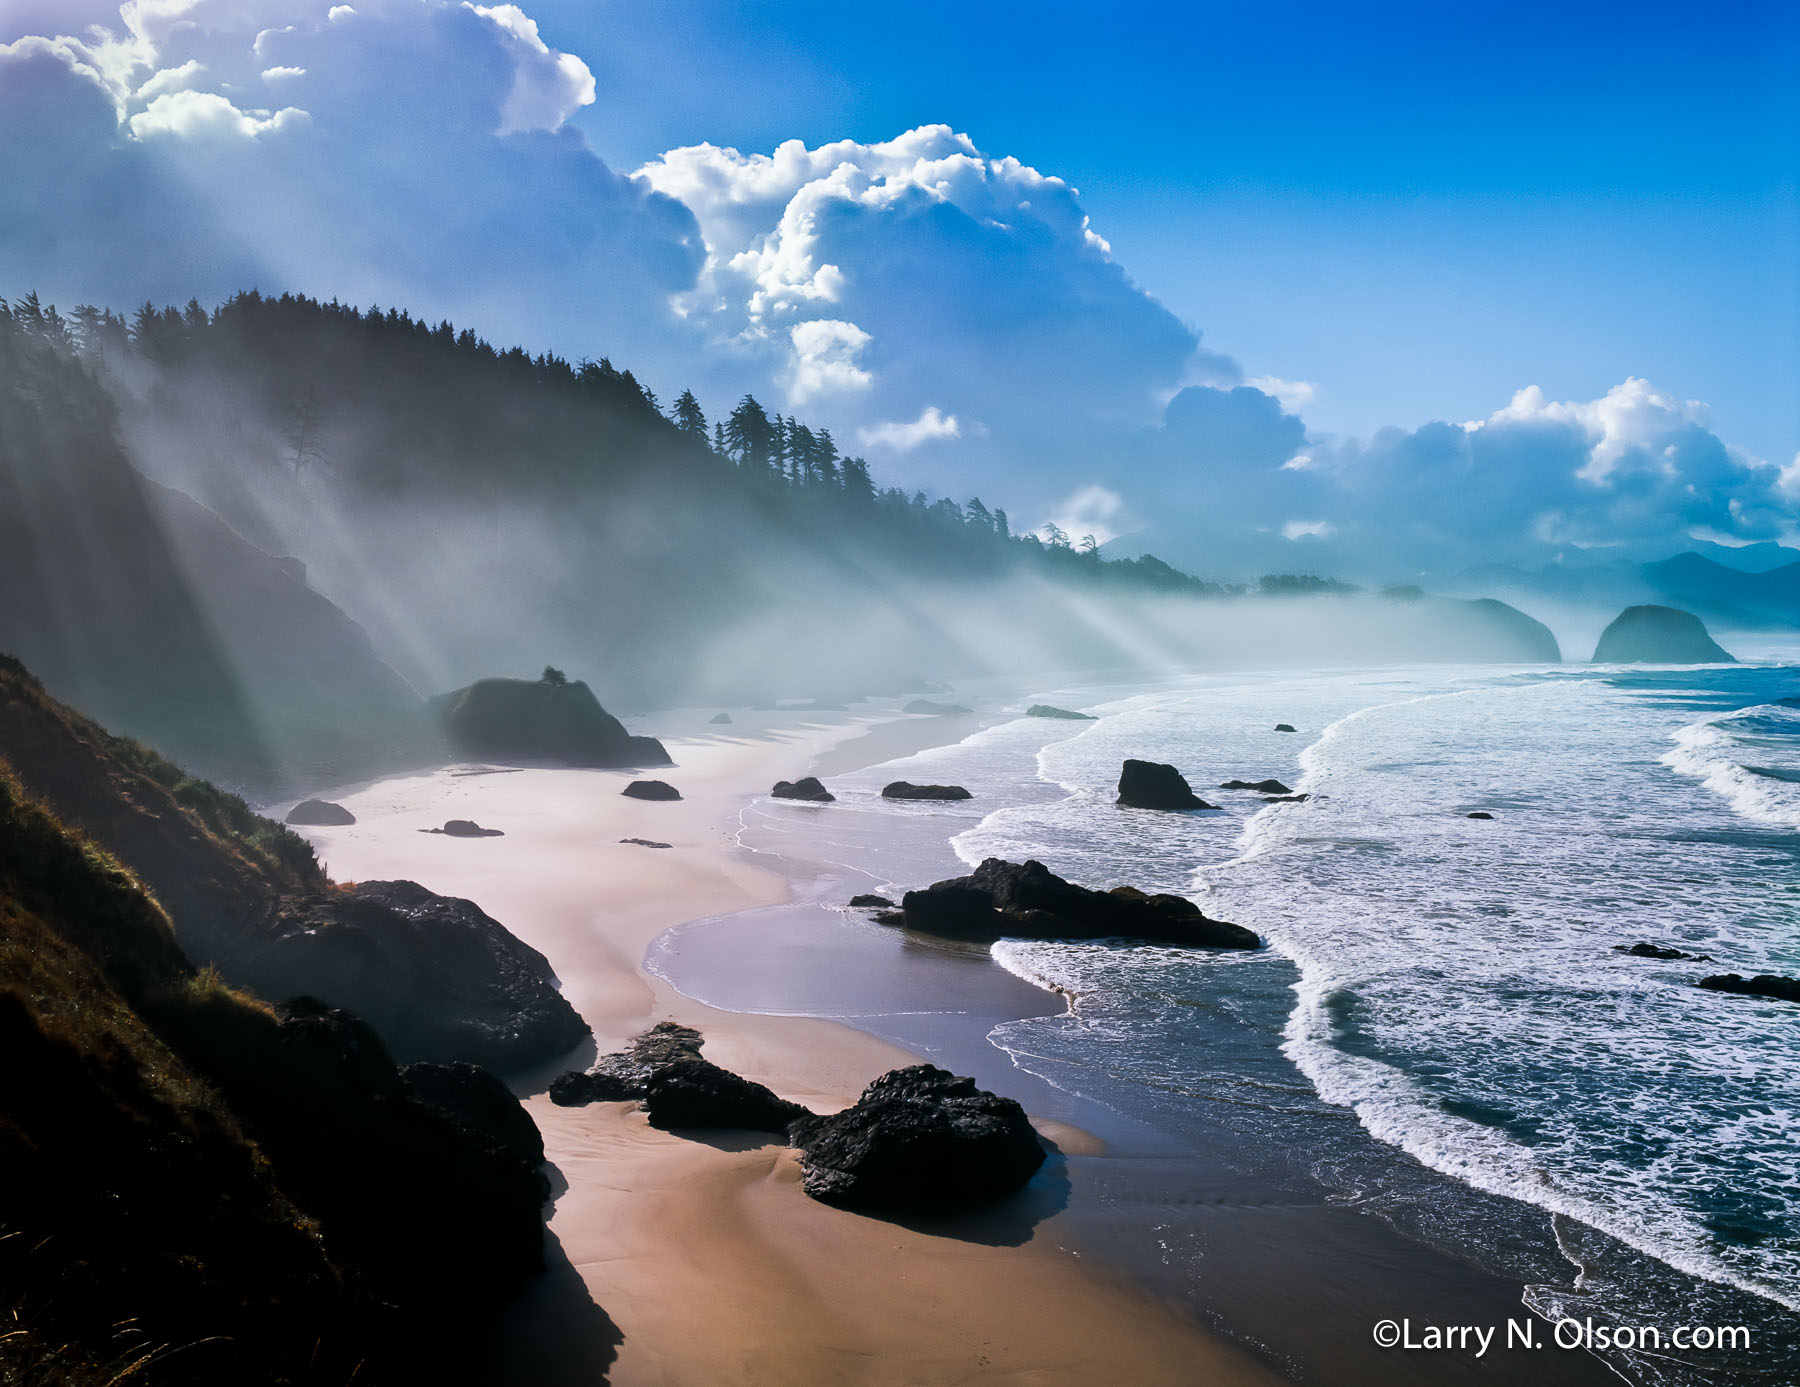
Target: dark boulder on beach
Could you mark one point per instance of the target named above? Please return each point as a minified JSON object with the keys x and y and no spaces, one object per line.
{"x":465,"y":828}
{"x":918,"y":1136}
{"x":1002,"y":899}
{"x":719,"y":720}
{"x":1151,"y":785}
{"x":650,"y":789}
{"x":663,"y":1069}
{"x":319,"y":813}
{"x":440,"y":979}
{"x":646,"y":843}
{"x":905,"y":789}
{"x":479,"y":1104}
{"x":807,"y":788}
{"x":1658,"y":951}
{"x":1267,"y":787}
{"x":1046,"y":710}
{"x":1659,"y":636}
{"x":937,"y":710}
{"x":867,"y":902}
{"x":548,"y":719}
{"x":1762,"y":985}
{"x":1285,"y":727}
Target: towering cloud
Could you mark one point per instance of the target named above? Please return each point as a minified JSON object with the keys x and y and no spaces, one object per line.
{"x":923,"y":279}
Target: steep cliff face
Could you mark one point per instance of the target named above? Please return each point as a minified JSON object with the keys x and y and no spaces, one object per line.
{"x":1658,"y":636}
{"x":146,"y":610}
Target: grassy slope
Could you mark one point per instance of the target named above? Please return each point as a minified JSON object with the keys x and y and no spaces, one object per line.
{"x":214,"y":864}
{"x":138,"y":1224}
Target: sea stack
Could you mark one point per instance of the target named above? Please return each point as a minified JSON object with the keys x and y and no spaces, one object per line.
{"x":1152,"y":785}
{"x":547,"y":719}
{"x":1658,"y":636}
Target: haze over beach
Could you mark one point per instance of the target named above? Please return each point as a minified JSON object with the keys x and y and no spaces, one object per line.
{"x":938,"y":694}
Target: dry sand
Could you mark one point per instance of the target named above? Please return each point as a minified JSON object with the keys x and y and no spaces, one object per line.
{"x":711,"y":1266}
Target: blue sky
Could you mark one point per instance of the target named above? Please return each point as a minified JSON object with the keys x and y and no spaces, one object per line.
{"x":1314,"y":234}
{"x":1422,"y":207}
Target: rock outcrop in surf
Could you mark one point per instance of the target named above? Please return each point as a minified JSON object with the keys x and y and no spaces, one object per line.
{"x":1771,"y":985}
{"x":1001,"y":900}
{"x":1152,"y":785}
{"x":806,"y":788}
{"x":905,"y":789}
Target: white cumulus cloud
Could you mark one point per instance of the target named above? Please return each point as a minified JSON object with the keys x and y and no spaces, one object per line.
{"x":931,"y":424}
{"x":1291,"y":393}
{"x":196,"y":115}
{"x":824,"y":359}
{"x":1092,"y":510}
{"x":548,"y":86}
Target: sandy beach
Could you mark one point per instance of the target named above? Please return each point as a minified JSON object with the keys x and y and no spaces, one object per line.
{"x":711,"y":1266}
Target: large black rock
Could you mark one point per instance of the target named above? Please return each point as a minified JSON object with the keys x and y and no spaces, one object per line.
{"x":1152,"y":785}
{"x":541,"y":720}
{"x":438,"y":977}
{"x":919,"y":1135}
{"x":664,"y":1070}
{"x":1659,"y":951}
{"x":650,"y":789}
{"x":1002,"y":899}
{"x":1659,"y":636}
{"x":905,"y":789}
{"x":807,"y":788}
{"x":479,"y":1104}
{"x":1762,"y":985}
{"x":320,"y":813}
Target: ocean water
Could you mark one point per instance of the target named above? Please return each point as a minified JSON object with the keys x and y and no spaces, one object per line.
{"x":1449,"y":984}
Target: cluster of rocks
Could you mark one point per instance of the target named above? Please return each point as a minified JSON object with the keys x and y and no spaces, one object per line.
{"x":916,"y":1136}
{"x":1771,"y":986}
{"x":1002,"y":900}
